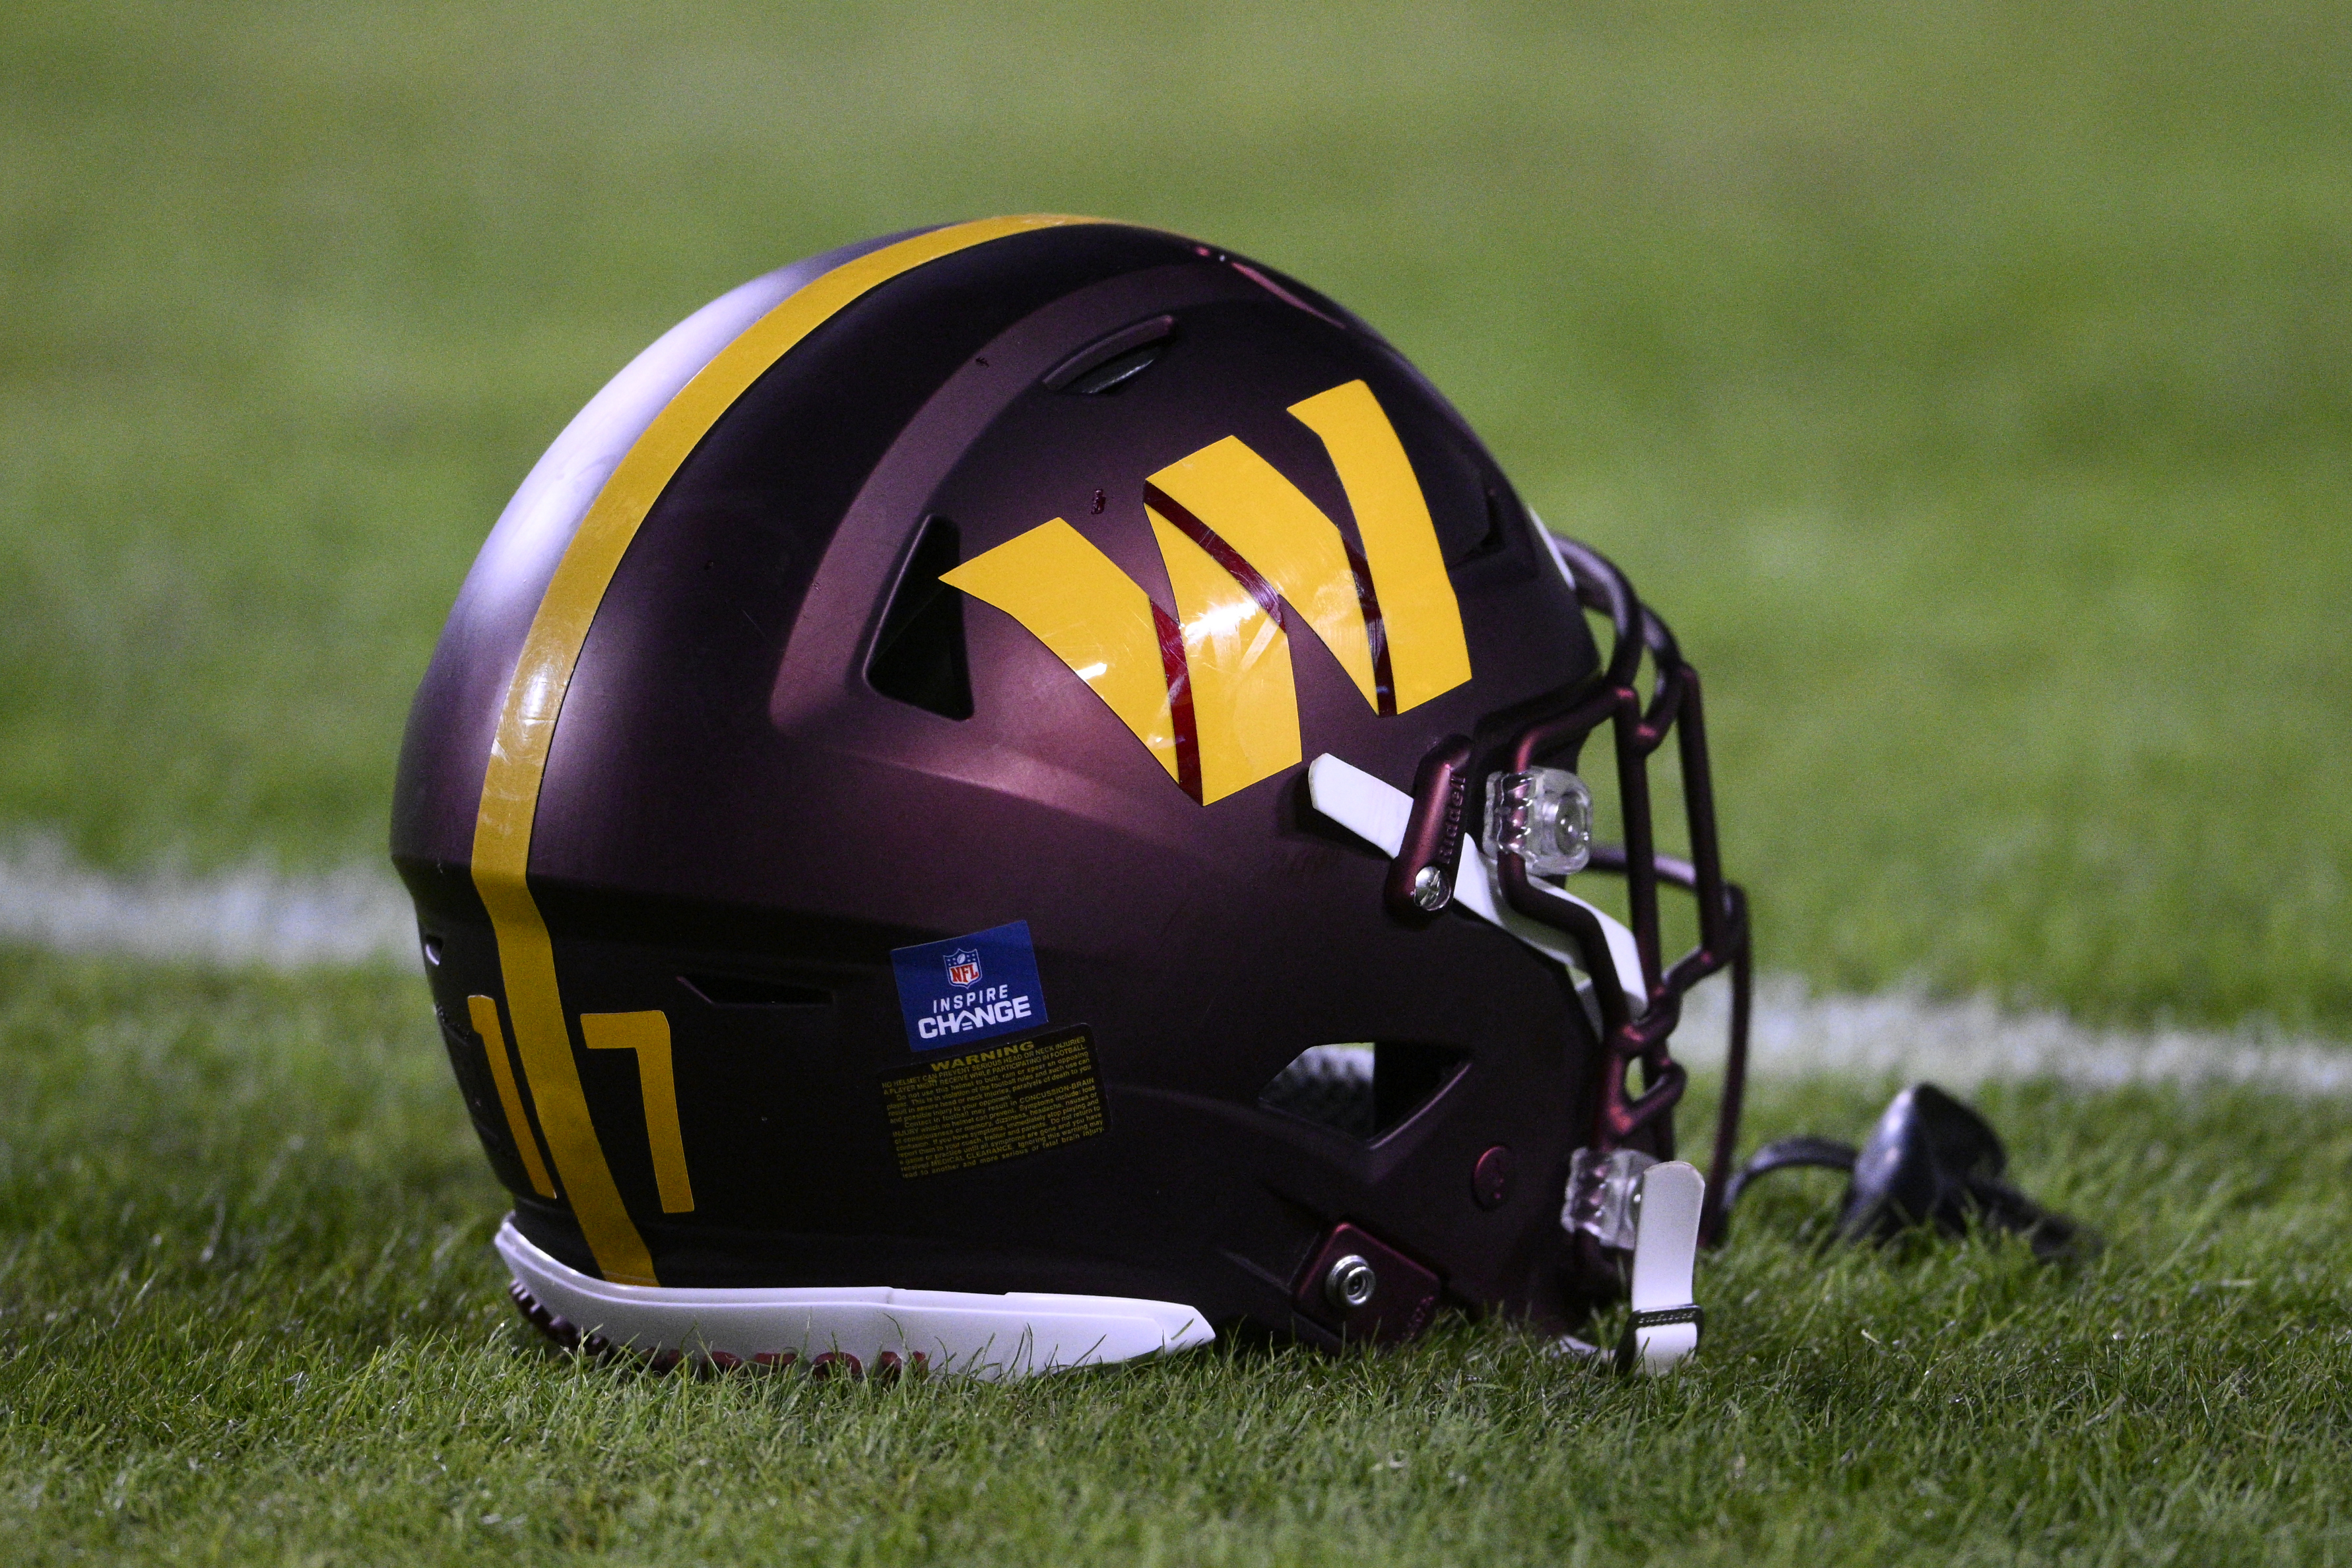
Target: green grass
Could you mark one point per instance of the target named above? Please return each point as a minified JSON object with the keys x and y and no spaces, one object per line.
{"x":1966,"y":382}
{"x":249,"y":1313}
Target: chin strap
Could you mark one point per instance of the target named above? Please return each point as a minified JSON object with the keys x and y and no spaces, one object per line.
{"x":1656,"y":1208}
{"x":1665,"y":1321}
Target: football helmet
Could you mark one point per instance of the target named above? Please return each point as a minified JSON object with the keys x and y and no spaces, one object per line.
{"x":999,"y":798}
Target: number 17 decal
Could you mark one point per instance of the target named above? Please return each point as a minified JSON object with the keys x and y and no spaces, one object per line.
{"x":647,"y":1034}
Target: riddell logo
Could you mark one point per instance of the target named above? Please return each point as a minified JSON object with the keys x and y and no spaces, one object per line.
{"x":1249,"y":558}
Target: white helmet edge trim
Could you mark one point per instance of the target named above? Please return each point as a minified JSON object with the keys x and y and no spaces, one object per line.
{"x":967,"y":1334}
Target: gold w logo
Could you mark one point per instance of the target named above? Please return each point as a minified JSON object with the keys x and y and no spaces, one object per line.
{"x":1209,"y":688}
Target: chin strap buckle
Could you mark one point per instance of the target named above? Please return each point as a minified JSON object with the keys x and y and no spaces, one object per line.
{"x":1665,"y":1322}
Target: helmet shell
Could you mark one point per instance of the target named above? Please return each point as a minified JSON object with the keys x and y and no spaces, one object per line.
{"x":736,"y":826}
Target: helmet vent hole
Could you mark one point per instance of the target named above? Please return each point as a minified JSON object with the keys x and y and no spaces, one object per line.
{"x":1365,"y":1089}
{"x":919,"y":655}
{"x":1109,"y":377}
{"x":1490,"y":542}
{"x":1107,"y":364}
{"x":744,"y":990}
{"x":1486,"y":531}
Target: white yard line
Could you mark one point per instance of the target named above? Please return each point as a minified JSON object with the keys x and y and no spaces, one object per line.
{"x":359,"y":915}
{"x":249,"y":916}
{"x":1957,"y":1043}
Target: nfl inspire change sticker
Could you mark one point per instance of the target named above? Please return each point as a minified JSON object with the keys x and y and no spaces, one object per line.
{"x":969,"y":988}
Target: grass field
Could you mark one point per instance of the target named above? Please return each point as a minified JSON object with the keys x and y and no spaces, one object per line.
{"x":1966,"y":382}
{"x":253,"y":1317}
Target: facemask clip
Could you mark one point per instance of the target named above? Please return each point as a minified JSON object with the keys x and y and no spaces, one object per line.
{"x":1600,"y":1196}
{"x":1420,"y":878}
{"x":1544,"y":816}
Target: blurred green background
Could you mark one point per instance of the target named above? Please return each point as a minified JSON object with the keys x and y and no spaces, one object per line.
{"x":1968,"y":383}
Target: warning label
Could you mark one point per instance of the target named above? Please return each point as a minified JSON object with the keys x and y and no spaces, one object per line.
{"x":1009,"y":1099}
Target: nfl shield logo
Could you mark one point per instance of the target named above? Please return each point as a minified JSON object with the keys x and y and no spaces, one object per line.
{"x":964,"y":966}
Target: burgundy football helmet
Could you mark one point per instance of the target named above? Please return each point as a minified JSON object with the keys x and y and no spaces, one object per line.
{"x":999,"y":798}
